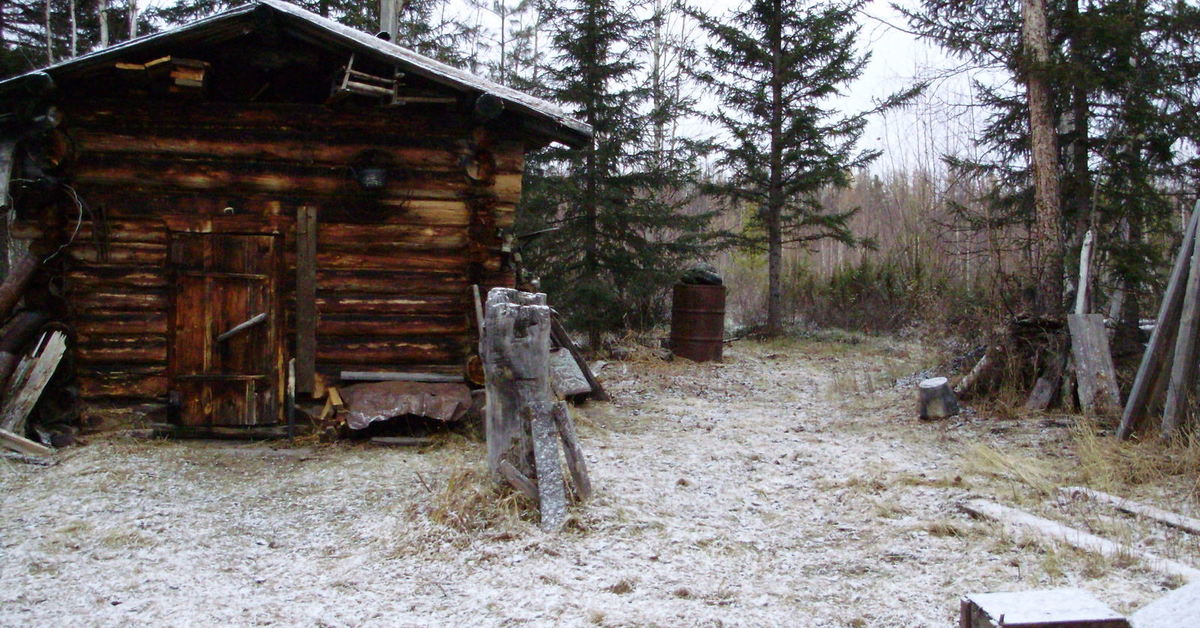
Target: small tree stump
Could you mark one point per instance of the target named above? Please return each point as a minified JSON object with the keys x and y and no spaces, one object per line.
{"x":935,"y":399}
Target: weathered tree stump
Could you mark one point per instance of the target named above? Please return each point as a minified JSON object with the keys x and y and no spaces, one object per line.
{"x":935,"y":399}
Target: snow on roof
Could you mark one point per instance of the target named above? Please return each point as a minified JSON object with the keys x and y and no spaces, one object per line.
{"x":234,"y":22}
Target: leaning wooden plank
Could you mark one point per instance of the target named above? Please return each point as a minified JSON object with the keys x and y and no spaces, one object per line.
{"x":1018,"y":520}
{"x":563,"y":339}
{"x":1094,"y":371}
{"x":23,"y":445}
{"x":17,"y":408}
{"x":552,"y":496}
{"x":574,"y":453}
{"x":388,"y":376}
{"x":1165,"y":517}
{"x":1183,"y":369}
{"x":1141,"y":395}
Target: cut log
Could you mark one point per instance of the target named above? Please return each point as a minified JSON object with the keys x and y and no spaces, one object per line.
{"x":974,"y":377}
{"x":1094,"y":371}
{"x":516,"y":353}
{"x":17,"y":407}
{"x":1162,"y":339}
{"x":935,"y":399}
{"x":23,"y":445}
{"x":573,"y":452}
{"x":552,"y":496}
{"x":1020,"y":521}
{"x":1164,"y":517}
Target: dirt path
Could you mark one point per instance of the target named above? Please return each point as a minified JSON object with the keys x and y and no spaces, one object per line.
{"x":780,"y":488}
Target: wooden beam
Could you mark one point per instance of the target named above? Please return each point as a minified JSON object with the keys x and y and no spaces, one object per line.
{"x":1146,"y":384}
{"x":23,"y":445}
{"x":306,"y":299}
{"x":1183,"y":370}
{"x":1018,"y":520}
{"x":388,"y":376}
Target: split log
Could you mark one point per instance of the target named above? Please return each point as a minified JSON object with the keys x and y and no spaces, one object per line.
{"x":1094,"y":371}
{"x":1162,"y":339}
{"x":1018,"y":520}
{"x":17,"y":407}
{"x":935,"y":399}
{"x":975,"y":376}
{"x":16,"y":336}
{"x":552,"y":496}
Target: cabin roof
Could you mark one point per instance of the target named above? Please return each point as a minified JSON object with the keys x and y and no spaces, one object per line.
{"x":244,"y":19}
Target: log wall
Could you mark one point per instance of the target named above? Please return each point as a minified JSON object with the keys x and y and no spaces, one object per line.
{"x":393,"y":267}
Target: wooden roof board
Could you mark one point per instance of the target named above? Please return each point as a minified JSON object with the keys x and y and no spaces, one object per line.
{"x":242,"y":20}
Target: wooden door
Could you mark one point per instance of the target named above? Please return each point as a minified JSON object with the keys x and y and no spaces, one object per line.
{"x":226,"y":357}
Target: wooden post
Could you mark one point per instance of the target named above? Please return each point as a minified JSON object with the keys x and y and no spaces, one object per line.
{"x":1149,"y":375}
{"x":516,"y":361}
{"x":1183,"y":371}
{"x":306,"y":298}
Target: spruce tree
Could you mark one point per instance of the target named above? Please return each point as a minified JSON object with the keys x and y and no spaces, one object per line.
{"x":620,"y":241}
{"x":775,"y":65}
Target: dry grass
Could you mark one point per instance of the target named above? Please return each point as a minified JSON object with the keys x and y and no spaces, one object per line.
{"x":1107,"y":463}
{"x":470,"y":502}
{"x":985,"y":460}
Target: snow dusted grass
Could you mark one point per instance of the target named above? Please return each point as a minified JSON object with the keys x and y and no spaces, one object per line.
{"x":789,"y":486}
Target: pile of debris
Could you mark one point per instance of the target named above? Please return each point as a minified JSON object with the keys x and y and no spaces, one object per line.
{"x":31,"y":350}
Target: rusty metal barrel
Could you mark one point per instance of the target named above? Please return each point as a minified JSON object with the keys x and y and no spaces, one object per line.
{"x":698,"y":321}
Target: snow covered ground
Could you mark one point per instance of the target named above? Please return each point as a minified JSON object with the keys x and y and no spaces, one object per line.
{"x":789,"y":486}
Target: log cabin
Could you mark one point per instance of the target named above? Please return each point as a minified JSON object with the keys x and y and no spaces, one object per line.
{"x":260,"y":200}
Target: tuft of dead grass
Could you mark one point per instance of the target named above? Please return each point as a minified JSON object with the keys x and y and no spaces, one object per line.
{"x":985,"y":460}
{"x":1106,"y":462}
{"x":470,"y":502}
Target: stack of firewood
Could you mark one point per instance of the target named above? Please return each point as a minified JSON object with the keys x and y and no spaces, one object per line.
{"x":29,"y":356}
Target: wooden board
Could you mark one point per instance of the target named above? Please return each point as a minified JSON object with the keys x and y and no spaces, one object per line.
{"x":306,"y":298}
{"x":1095,"y":374}
{"x":552,"y":497}
{"x":1019,"y":521}
{"x":1165,"y":517}
{"x":29,"y":388}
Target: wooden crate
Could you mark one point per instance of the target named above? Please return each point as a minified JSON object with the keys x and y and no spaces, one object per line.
{"x":1054,"y":608}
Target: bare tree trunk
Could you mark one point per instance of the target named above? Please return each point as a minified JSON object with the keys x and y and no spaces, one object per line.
{"x":49,"y":37}
{"x":775,"y":199}
{"x":1046,"y":234}
{"x":74,"y":31}
{"x":103,"y":23}
{"x":133,"y":15}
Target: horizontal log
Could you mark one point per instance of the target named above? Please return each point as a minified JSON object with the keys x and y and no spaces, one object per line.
{"x":91,"y":278}
{"x":149,"y":116}
{"x":390,"y":325}
{"x":388,"y":304}
{"x":118,"y":253}
{"x":125,"y":384}
{"x":138,"y":349}
{"x":387,"y":282}
{"x":332,"y":370}
{"x":149,"y":231}
{"x":398,"y":238}
{"x":409,"y":152}
{"x":407,"y":260}
{"x":100,"y":323}
{"x":362,"y":351}
{"x":108,"y":300}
